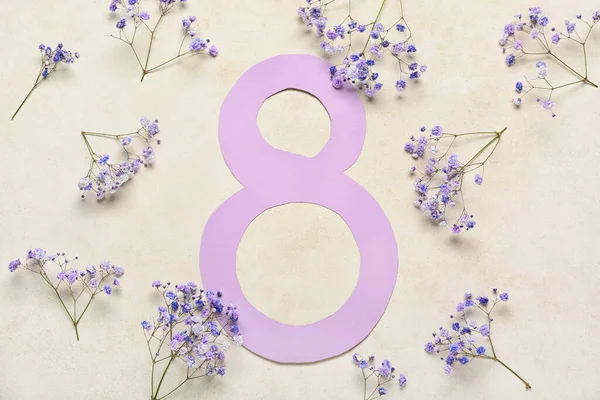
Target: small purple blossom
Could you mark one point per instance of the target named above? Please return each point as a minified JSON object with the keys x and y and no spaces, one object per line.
{"x":510,"y":60}
{"x":198,"y":44}
{"x":13,"y":265}
{"x":121,"y":24}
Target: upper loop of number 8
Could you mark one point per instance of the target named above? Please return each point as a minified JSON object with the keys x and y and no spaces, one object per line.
{"x":273,"y":177}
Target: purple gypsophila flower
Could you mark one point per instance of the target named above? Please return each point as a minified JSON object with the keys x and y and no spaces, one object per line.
{"x":465,"y":341}
{"x":81,"y":285}
{"x":130,"y":9}
{"x":510,"y":60}
{"x":359,"y":68}
{"x":50,"y":59}
{"x":104,"y":177}
{"x":122,"y":23}
{"x":438,"y":183}
{"x":382,"y":375}
{"x":196,"y":326}
{"x":523,"y":38}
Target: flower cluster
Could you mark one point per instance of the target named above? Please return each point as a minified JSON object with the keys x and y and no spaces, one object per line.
{"x":193,"y":328}
{"x":105,"y":177}
{"x":531,"y":35}
{"x":384,"y":373}
{"x":466,"y":339}
{"x":139,"y":19}
{"x":70,"y":284}
{"x":50,"y":59}
{"x":358,"y":65}
{"x":440,"y":181}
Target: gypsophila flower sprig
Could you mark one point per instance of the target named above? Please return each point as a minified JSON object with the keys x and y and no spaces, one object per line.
{"x":381,"y":376}
{"x":50,"y":60}
{"x":70,"y":285}
{"x":466,"y":340}
{"x":140,"y":20}
{"x":105,"y":177}
{"x":531,"y":36}
{"x":194,"y":329}
{"x":439,"y":182}
{"x":358,"y":62}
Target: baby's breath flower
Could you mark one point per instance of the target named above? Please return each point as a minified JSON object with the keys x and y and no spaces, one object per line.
{"x":466,"y":340}
{"x":132,"y":11}
{"x":532,"y":35}
{"x":439,"y":184}
{"x":380,"y":375}
{"x":69,"y":284}
{"x":194,"y":329}
{"x":105,"y":177}
{"x":357,"y":65}
{"x":51,"y":59}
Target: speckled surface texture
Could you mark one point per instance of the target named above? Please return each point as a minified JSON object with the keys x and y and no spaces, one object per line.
{"x":537,"y":211}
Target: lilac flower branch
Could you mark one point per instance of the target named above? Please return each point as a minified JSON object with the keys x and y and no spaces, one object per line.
{"x":200,"y":344}
{"x":439,"y":185}
{"x":140,"y":18}
{"x":536,"y":29}
{"x":92,"y":281}
{"x":357,"y":66}
{"x":460,"y":342}
{"x":50,"y":59}
{"x":103,"y":176}
{"x":384,"y":374}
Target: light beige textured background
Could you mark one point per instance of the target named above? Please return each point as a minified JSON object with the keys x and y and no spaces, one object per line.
{"x":537,"y":233}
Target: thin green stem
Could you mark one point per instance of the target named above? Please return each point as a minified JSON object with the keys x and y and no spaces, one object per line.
{"x":25,"y":99}
{"x":491,"y":343}
{"x":163,"y":377}
{"x":470,"y":133}
{"x":177,"y":387}
{"x":374,"y":22}
{"x":365,"y":385}
{"x":153,"y":31}
{"x":584,"y":79}
{"x":168,"y":61}
{"x":527,"y":385}
{"x":47,"y":280}
{"x":480,"y":152}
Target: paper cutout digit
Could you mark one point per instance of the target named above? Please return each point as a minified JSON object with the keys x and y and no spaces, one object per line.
{"x":273,"y":177}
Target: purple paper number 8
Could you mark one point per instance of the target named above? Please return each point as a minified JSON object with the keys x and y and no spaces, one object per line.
{"x":273,"y":177}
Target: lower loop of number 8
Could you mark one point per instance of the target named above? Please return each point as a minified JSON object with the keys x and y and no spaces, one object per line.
{"x":273,"y":177}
